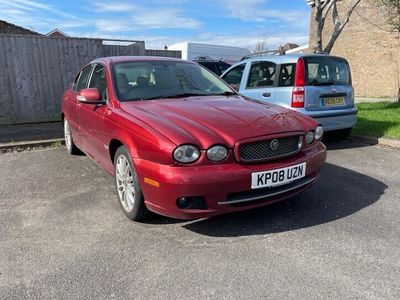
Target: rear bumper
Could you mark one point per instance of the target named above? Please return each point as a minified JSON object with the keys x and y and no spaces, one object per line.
{"x":334,"y":119}
{"x":220,"y":182}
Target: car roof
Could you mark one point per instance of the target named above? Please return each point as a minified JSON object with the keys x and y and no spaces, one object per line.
{"x":209,"y":60}
{"x":280,"y":59}
{"x":286,"y":58}
{"x":119,"y":59}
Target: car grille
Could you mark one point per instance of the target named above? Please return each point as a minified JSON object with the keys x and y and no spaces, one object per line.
{"x":262,"y":150}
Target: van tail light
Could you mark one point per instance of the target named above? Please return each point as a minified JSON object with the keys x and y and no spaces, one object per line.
{"x":298,"y":94}
{"x":298,"y":97}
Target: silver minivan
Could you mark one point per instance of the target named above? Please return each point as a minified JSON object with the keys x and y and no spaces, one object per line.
{"x":314,"y":84}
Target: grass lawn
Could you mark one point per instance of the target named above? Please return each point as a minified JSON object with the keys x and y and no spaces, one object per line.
{"x":379,"y":119}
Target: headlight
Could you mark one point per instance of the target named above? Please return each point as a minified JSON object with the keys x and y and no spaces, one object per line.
{"x":217,"y":153}
{"x":186,"y":153}
{"x":309,"y":137}
{"x":319,"y":132}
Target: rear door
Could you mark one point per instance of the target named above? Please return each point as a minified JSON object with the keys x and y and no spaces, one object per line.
{"x":328,"y":83}
{"x":260,"y":81}
{"x":284,"y":87}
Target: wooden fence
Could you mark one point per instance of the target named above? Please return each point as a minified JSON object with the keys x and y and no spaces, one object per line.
{"x":35,"y":70}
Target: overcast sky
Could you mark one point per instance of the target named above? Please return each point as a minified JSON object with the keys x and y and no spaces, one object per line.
{"x":163,"y":22}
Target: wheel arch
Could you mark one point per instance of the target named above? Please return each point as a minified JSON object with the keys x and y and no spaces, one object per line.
{"x":113,"y":147}
{"x":117,"y":142}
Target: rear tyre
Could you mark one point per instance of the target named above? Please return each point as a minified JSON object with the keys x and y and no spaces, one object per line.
{"x":127,"y":184}
{"x":339,"y":135}
{"x":69,"y":142}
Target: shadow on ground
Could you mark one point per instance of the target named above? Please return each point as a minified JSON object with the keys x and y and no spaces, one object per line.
{"x":349,"y":143}
{"x":338,"y":193}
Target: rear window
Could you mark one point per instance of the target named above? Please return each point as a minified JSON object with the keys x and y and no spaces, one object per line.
{"x":324,"y":70}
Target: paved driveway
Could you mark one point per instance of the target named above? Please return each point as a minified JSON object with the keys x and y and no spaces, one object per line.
{"x":62,"y":235}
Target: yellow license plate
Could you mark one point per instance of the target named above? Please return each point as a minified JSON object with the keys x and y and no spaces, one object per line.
{"x":333,"y":101}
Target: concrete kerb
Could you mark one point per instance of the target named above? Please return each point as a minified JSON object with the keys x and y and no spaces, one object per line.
{"x":369,"y":140}
{"x":28,"y":145}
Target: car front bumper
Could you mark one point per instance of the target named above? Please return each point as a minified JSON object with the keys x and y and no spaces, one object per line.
{"x":224,"y":187}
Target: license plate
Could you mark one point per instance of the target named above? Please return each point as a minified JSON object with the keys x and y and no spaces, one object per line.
{"x":278,"y":176}
{"x":332,"y":101}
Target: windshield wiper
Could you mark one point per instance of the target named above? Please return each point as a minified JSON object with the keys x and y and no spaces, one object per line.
{"x":183,"y":95}
{"x":226,"y":93}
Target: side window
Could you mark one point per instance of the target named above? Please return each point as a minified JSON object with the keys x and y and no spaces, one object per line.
{"x":286,"y":75}
{"x":75,"y":83}
{"x":83,"y":79}
{"x":262,"y":73}
{"x":234,"y":76}
{"x":98,"y":80}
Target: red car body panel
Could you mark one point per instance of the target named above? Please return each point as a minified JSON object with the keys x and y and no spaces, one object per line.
{"x":152,"y":129}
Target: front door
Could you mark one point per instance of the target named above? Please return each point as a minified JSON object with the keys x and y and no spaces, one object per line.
{"x":91,"y":118}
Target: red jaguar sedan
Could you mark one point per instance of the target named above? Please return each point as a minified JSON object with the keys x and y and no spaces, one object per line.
{"x":180,"y":142}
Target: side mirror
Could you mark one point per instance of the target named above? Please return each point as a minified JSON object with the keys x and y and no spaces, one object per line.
{"x":235,"y":87}
{"x":90,"y":96}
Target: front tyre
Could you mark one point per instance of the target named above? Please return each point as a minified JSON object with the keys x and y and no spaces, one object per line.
{"x":128,"y":189}
{"x":69,"y":142}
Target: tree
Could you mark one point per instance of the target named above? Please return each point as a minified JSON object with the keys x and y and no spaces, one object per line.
{"x":322,"y":10}
{"x":392,"y":11}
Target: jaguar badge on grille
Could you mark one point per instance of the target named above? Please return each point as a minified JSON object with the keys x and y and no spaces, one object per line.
{"x":274,"y":144}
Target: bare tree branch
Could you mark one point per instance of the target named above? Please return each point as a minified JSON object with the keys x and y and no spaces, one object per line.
{"x":317,"y":47}
{"x":327,"y":8}
{"x":339,"y":26}
{"x":325,"y":14}
{"x":326,"y":3}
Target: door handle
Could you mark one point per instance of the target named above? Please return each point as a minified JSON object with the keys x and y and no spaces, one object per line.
{"x":266,"y":95}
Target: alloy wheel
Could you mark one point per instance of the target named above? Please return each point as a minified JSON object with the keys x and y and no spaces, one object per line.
{"x":125,"y":183}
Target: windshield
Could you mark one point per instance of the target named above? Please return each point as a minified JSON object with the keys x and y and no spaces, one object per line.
{"x":147,"y":80}
{"x":326,"y":70}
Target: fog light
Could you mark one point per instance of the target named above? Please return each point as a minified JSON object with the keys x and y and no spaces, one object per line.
{"x":191,"y":203}
{"x":183,"y":202}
